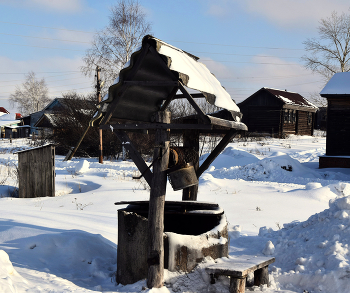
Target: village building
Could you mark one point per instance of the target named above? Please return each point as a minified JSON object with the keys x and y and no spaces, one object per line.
{"x":278,"y":113}
{"x":337,"y":93}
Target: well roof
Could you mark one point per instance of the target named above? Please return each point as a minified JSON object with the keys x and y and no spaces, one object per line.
{"x":158,"y":62}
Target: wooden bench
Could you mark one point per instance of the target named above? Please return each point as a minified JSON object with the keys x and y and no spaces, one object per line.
{"x":238,"y":268}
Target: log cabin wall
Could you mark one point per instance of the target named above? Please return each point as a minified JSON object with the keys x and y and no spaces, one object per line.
{"x":305,"y":125}
{"x":338,"y":127}
{"x":262,"y":113}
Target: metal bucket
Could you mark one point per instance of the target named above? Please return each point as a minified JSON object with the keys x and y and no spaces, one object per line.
{"x":182,"y":176}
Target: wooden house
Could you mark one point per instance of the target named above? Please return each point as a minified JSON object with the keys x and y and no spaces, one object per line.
{"x":337,"y":93}
{"x":278,"y":113}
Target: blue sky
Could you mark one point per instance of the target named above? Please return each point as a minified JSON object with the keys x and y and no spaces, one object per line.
{"x":246,"y":44}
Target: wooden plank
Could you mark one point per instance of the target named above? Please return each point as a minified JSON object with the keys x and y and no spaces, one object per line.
{"x":189,"y":204}
{"x":240,"y":266}
{"x":135,"y":126}
{"x":218,"y":149}
{"x":135,"y":156}
{"x":151,"y":83}
{"x":227,"y":123}
{"x":195,"y":96}
{"x":156,"y":205}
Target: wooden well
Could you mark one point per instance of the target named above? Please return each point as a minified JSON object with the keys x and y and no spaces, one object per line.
{"x":200,"y":227}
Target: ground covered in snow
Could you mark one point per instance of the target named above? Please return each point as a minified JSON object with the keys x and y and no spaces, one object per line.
{"x":276,"y":200}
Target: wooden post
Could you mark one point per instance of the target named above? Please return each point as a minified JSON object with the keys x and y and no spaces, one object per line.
{"x":156,"y":204}
{"x":98,"y":92}
{"x":237,"y":285}
{"x":191,"y":140}
{"x":261,"y":276}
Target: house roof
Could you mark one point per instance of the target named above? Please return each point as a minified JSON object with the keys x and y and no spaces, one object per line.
{"x":47,"y":120}
{"x":339,"y":84}
{"x":289,"y":99}
{"x":159,"y":63}
{"x":3,"y":111}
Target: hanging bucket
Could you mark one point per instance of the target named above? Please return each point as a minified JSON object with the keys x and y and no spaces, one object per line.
{"x":181,"y":177}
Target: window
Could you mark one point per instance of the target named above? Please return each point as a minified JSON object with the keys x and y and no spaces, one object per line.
{"x":309,"y":118}
{"x":290,"y":116}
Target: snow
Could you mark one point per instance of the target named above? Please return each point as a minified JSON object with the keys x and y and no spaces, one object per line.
{"x":200,"y":78}
{"x":337,"y":85}
{"x":276,"y":201}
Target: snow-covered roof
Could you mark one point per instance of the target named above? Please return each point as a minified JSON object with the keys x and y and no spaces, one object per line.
{"x":173,"y":65}
{"x":339,"y":84}
{"x":291,"y":98}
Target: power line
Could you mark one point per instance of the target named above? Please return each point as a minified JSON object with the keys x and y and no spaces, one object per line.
{"x":177,"y":41}
{"x":54,"y":28}
{"x":39,"y":72}
{"x":265,"y":56}
{"x":225,"y":45}
{"x":44,"y":38}
{"x":41,"y":47}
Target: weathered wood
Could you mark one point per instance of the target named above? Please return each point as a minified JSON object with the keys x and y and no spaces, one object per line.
{"x":237,"y":285}
{"x":36,"y":172}
{"x":261,"y":276}
{"x":191,"y":140}
{"x":239,"y":267}
{"x":151,"y":83}
{"x":156,"y":204}
{"x":135,"y":156}
{"x":227,"y":123}
{"x":187,"y":205}
{"x":169,"y":98}
{"x":124,"y":87}
{"x":199,"y":111}
{"x":195,"y":96}
{"x":218,"y":149}
{"x":134,"y":126}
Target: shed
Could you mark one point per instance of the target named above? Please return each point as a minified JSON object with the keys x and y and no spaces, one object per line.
{"x":36,"y":172}
{"x":337,"y":93}
{"x":278,"y":113}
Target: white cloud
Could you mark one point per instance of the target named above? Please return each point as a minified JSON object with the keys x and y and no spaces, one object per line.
{"x":295,"y":12}
{"x":287,"y":13}
{"x":70,"y":6}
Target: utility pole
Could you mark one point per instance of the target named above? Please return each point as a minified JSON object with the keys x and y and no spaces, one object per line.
{"x":98,"y":92}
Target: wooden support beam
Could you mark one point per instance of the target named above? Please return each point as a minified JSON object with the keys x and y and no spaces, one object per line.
{"x":191,"y":140}
{"x":195,"y":96}
{"x":135,"y":126}
{"x":135,"y":156}
{"x":218,"y":149}
{"x":237,"y":285}
{"x":169,"y":98}
{"x":151,"y":83}
{"x":201,"y":114}
{"x":261,"y":276}
{"x":156,"y":204}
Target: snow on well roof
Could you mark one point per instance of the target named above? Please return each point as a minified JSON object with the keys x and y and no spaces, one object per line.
{"x":291,"y":98}
{"x":339,"y":84}
{"x":171,"y":64}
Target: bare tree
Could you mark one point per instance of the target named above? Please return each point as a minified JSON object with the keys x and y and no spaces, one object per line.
{"x":330,"y":52}
{"x":31,"y":96}
{"x":113,"y":46}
